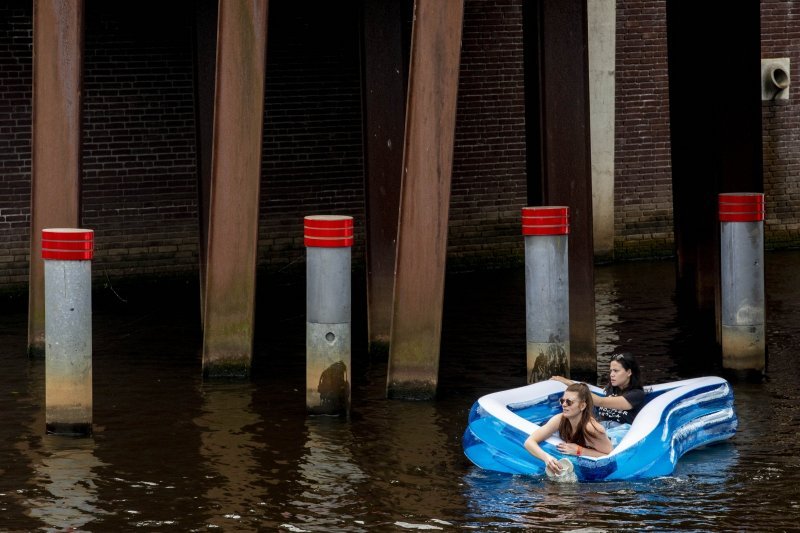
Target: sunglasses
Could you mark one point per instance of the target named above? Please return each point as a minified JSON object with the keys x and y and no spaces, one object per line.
{"x":618,"y":357}
{"x":566,"y":401}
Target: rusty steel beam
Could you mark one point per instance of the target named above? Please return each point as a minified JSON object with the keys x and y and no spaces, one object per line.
{"x":384,"y":109}
{"x":716,"y":145}
{"x":205,"y":62}
{"x":56,"y":144}
{"x":425,"y":198}
{"x":235,"y":178}
{"x":566,"y":160}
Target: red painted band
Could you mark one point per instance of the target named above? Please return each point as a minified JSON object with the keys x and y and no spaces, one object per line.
{"x":741,"y":217}
{"x":327,"y":243}
{"x":741,"y":207}
{"x":66,"y":234}
{"x":545,"y":230}
{"x":67,"y":256}
{"x":545,"y":211}
{"x":545,"y":220}
{"x":327,"y":222}
{"x":742,"y":198}
{"x":67,"y":245}
{"x":328,"y":232}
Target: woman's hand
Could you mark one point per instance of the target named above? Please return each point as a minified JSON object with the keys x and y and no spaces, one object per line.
{"x":563,"y":380}
{"x":551,"y":463}
{"x":568,"y":448}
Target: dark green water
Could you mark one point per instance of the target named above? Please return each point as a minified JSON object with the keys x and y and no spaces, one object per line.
{"x":171,"y":453}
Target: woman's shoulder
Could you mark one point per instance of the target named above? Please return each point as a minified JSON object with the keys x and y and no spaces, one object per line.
{"x":595,"y":427}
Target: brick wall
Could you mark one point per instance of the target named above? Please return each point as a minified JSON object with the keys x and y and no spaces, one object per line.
{"x":780,"y":37}
{"x":489,"y":181}
{"x":139,"y":188}
{"x":643,"y":177}
{"x":15,"y":140}
{"x":312,"y":153}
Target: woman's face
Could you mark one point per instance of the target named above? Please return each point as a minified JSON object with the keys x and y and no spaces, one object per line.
{"x":571,"y":404}
{"x":618,"y":375}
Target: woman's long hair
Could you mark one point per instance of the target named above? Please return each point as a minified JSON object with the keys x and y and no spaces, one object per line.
{"x":565,"y":429}
{"x":628,"y":362}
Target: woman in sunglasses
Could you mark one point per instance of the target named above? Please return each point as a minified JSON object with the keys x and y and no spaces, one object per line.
{"x":624,"y":392}
{"x":581,"y":433}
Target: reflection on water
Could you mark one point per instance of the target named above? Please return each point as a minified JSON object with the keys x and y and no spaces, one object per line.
{"x":329,"y":479}
{"x":66,"y":470}
{"x":228,"y":447}
{"x":171,"y":453}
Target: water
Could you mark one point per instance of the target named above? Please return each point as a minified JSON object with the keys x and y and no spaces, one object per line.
{"x":170,"y":453}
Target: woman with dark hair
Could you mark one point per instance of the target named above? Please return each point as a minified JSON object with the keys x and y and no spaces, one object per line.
{"x":581,"y":433}
{"x":624,"y":392}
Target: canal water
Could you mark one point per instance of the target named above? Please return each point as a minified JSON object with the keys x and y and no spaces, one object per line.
{"x":171,"y":453}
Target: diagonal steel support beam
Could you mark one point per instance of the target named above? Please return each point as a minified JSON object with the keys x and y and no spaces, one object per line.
{"x":235,"y":177}
{"x":559,"y":150}
{"x":384,"y":107}
{"x":205,"y":62}
{"x":56,"y":145}
{"x":425,"y":199}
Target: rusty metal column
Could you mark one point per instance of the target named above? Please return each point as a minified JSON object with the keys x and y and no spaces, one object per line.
{"x":566,"y":165}
{"x":384,"y":107}
{"x":56,"y":146}
{"x":235,"y":177}
{"x":205,"y":59}
{"x":425,"y":199}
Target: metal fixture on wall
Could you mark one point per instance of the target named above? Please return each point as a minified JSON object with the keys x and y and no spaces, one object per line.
{"x":775,"y":79}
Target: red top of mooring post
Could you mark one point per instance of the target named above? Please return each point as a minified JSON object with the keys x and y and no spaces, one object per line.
{"x":68,"y":244}
{"x":741,"y":207}
{"x":328,"y":231}
{"x":551,"y":220}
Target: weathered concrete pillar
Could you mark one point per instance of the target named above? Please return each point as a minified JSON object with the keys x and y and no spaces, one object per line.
{"x":601,"y":16}
{"x":546,"y":232}
{"x":56,"y":146}
{"x":230,"y":284}
{"x":328,"y":241}
{"x":742,"y":299}
{"x":67,"y":255}
{"x":425,"y":199}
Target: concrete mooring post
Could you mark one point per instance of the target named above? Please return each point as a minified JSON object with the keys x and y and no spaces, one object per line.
{"x":546,"y":291}
{"x":67,"y":255}
{"x":741,"y":217}
{"x":328,"y":240}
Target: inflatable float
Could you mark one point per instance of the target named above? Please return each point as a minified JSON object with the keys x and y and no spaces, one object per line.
{"x":677,"y":417}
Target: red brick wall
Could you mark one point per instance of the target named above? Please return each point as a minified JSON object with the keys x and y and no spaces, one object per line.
{"x":780,"y":37}
{"x":312,"y":153}
{"x":15,"y":140}
{"x":489,"y":181}
{"x":643,"y":175}
{"x":139,"y":188}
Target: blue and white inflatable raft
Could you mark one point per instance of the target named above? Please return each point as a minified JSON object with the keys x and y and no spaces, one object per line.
{"x":677,"y":417}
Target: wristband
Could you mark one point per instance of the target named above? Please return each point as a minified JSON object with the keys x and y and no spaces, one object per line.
{"x":579,"y":450}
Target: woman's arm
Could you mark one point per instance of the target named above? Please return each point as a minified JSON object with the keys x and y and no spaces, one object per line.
{"x":597,"y":442}
{"x":542,"y":433}
{"x":612,"y":402}
{"x":595,"y":398}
